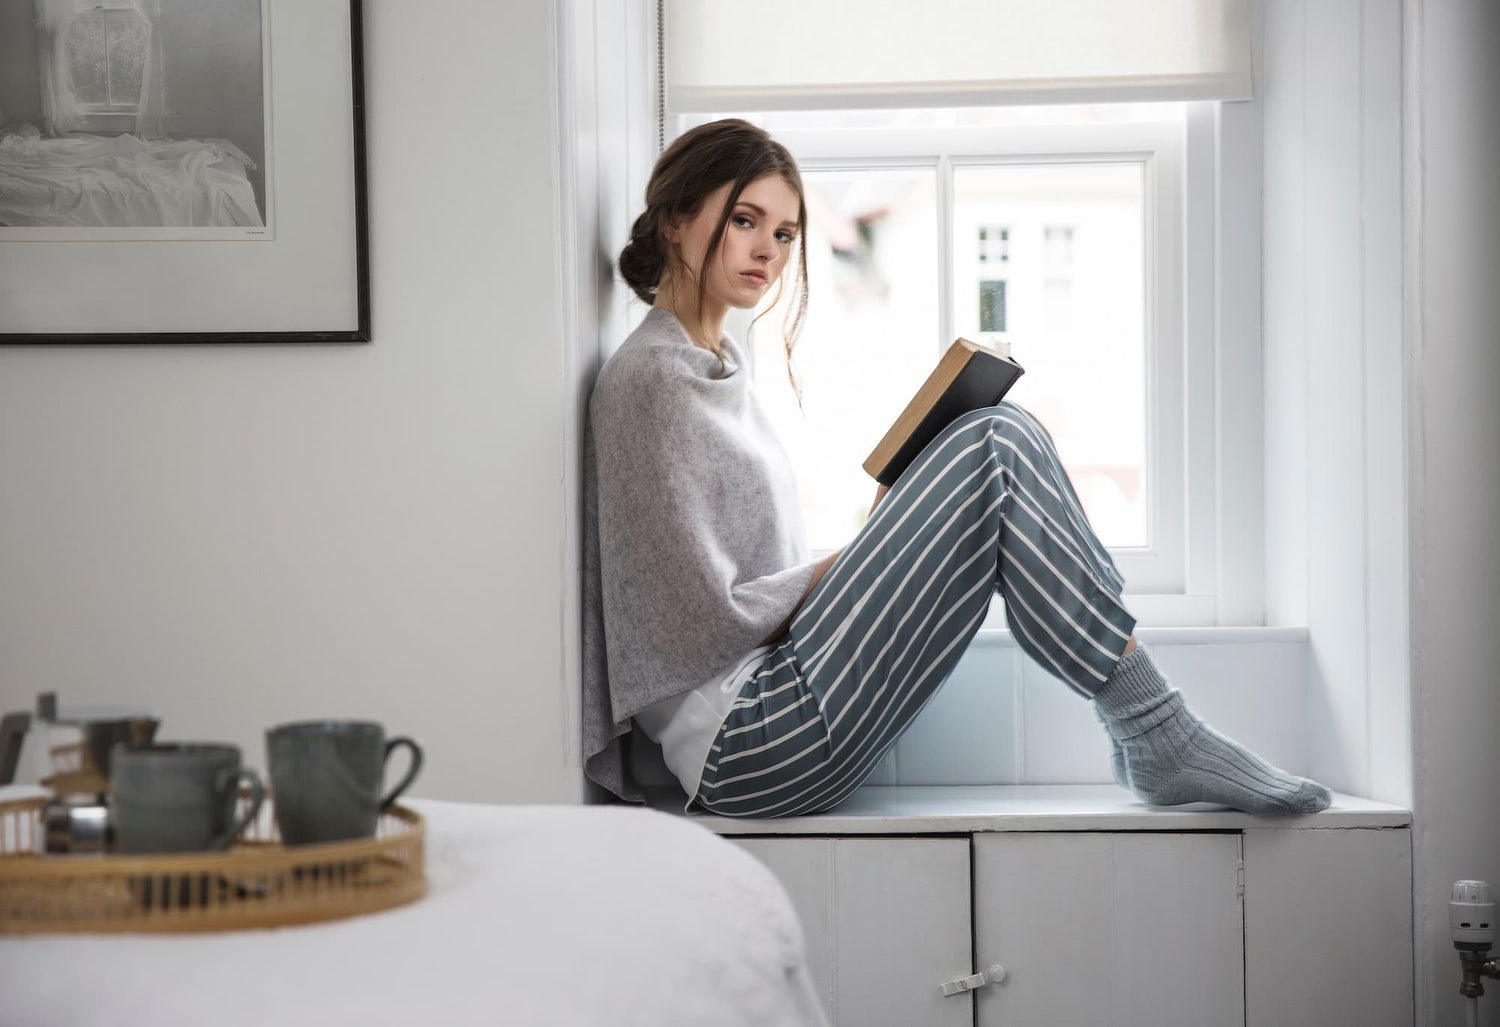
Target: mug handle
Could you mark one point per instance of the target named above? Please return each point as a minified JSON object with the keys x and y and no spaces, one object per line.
{"x":230,"y":775}
{"x":411,"y":771}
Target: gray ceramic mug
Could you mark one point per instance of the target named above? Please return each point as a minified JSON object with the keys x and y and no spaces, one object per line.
{"x":326,"y":777}
{"x":179,"y":797}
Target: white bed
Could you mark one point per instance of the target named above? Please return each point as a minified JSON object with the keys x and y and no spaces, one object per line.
{"x":91,"y":181}
{"x":565,"y":915}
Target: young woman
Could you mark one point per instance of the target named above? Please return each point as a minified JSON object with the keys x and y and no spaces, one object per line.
{"x":775,"y":683}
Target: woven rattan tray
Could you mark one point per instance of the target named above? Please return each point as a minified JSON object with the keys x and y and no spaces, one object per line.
{"x":256,"y":883}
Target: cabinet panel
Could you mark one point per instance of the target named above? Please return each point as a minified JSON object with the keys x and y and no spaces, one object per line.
{"x":886,"y":921}
{"x":1328,"y":931}
{"x":804,"y":866}
{"x":1126,"y":929}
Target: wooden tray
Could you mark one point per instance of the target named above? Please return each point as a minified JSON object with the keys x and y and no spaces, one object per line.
{"x":258,"y":882}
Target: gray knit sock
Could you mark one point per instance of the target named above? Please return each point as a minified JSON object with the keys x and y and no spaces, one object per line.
{"x":1117,"y":765}
{"x":1172,"y":757}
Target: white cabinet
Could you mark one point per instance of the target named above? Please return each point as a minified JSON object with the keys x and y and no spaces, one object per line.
{"x":886,"y":920}
{"x":1101,"y":910}
{"x":1250,"y":928}
{"x":1135,"y":930}
{"x":1127,"y":929}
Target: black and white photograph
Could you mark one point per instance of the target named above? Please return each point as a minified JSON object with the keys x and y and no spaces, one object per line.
{"x":182,"y":171}
{"x":130,"y":119}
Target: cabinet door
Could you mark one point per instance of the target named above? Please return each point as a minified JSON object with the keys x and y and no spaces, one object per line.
{"x":1125,"y":929}
{"x":886,"y":922}
{"x":1327,"y":906}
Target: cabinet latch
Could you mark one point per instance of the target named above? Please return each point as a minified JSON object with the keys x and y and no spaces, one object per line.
{"x":960,"y":985}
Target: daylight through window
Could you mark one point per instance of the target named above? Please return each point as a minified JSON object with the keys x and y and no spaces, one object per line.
{"x":1047,"y":256}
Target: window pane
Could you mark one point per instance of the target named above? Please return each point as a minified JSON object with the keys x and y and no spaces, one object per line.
{"x":86,"y":60}
{"x":1068,"y":300}
{"x":127,"y":57}
{"x":869,"y":338}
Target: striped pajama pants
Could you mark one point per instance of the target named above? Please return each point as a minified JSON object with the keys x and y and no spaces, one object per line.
{"x":985,"y":506}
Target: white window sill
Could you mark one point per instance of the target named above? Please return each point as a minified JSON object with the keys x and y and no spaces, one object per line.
{"x":1000,"y":636}
{"x":961,"y":809}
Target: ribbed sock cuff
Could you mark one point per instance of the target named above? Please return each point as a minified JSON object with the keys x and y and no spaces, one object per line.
{"x":1133,"y":688}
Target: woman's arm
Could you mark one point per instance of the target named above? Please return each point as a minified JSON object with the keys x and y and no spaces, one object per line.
{"x":819,"y":569}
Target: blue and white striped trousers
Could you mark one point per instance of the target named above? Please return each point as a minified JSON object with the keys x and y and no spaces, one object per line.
{"x":985,"y":506}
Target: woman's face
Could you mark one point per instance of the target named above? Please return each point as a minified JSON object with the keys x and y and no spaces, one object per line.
{"x":757,"y":240}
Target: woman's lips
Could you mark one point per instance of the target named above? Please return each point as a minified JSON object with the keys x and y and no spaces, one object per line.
{"x":758,"y":277}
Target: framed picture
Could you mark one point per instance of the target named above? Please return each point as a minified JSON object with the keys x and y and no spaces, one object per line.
{"x":174,"y":171}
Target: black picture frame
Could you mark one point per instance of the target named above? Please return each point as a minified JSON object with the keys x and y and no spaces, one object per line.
{"x":300,"y":29}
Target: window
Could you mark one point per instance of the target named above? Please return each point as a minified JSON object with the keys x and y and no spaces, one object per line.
{"x":962,"y":216}
{"x":994,"y":244}
{"x":1057,"y":246}
{"x":106,"y":48}
{"x":96,"y":67}
{"x":1054,"y":232}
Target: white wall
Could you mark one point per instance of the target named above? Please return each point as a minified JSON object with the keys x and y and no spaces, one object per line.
{"x":1453,"y":452}
{"x":239,"y":536}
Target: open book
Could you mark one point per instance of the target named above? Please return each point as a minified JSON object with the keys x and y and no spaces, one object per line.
{"x":968,"y":377}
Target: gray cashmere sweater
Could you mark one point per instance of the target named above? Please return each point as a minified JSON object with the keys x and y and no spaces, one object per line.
{"x":694,"y":550}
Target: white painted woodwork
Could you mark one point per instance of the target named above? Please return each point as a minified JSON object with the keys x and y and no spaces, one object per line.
{"x":1101,"y":910}
{"x":1333,"y":371}
{"x":1387,"y":680}
{"x":886,"y":921}
{"x":961,"y":810}
{"x":1255,"y":693}
{"x":1240,"y":458}
{"x":970,"y":732}
{"x":804,"y":866}
{"x":1328,"y":930}
{"x":1135,"y":930}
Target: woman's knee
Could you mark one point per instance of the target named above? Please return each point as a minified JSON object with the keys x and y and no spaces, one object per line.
{"x":1007,"y":421}
{"x":1003,"y":416}
{"x":1013,"y":411}
{"x":1015,"y":423}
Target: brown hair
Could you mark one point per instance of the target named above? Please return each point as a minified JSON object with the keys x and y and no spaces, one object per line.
{"x":698,"y":162}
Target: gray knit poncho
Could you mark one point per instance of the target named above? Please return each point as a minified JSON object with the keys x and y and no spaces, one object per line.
{"x":694,"y":550}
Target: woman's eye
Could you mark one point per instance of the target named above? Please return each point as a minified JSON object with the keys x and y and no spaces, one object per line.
{"x":742,"y":220}
{"x":786,"y":237}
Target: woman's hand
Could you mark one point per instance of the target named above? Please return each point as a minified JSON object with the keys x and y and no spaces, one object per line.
{"x":880,"y":491}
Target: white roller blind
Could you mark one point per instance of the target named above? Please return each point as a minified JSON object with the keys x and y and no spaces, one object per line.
{"x":819,"y":54}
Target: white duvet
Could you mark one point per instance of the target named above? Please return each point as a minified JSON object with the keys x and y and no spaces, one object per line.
{"x":545,"y":915}
{"x":89,"y":181}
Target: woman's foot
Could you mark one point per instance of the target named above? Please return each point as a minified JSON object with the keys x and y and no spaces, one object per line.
{"x":1170,"y":757}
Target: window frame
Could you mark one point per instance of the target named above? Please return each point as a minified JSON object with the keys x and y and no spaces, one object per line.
{"x":1174,"y":580}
